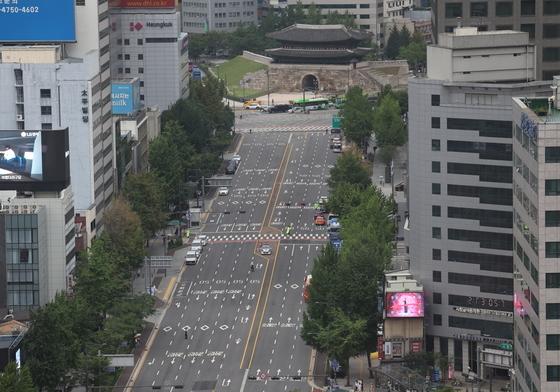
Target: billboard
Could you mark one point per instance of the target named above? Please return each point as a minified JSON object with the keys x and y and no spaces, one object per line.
{"x":125,"y":97}
{"x":34,"y":160}
{"x":37,"y":21}
{"x":404,"y":304}
{"x":142,"y":3}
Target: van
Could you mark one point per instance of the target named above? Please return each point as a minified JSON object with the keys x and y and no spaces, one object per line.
{"x":203,"y":238}
{"x":198,"y":242}
{"x":191,"y":257}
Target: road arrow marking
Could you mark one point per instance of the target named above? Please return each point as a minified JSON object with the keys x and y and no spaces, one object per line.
{"x":270,"y":319}
{"x":152,"y":362}
{"x":299,"y":372}
{"x":278,"y":372}
{"x":289,"y":319}
{"x":173,"y":361}
{"x":238,"y":340}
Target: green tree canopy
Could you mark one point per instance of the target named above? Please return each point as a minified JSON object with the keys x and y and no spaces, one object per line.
{"x":16,"y":380}
{"x":144,"y":193}
{"x":388,"y":124}
{"x":349,"y":170}
{"x":123,"y":230}
{"x":393,"y":44}
{"x":357,"y":120}
{"x":404,"y":37}
{"x":414,"y":53}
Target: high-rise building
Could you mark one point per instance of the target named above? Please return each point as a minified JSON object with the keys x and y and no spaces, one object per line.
{"x":394,"y":8}
{"x":536,"y":241}
{"x":368,"y":14}
{"x":460,"y":190}
{"x":201,"y":16}
{"x":147,"y":43}
{"x":538,"y":18}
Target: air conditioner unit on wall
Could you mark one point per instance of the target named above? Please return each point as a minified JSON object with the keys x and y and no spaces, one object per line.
{"x":19,"y":117}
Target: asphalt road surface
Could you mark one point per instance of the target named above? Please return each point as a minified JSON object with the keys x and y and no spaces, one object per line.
{"x":243,"y":327}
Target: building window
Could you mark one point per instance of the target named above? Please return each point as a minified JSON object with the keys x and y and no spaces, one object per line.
{"x":527,"y":7}
{"x":504,"y":27}
{"x":80,"y":2}
{"x":435,"y":100}
{"x":449,"y":29}
{"x":120,"y":70}
{"x":552,"y":280}
{"x":127,"y":57}
{"x":435,"y":122}
{"x":553,"y":342}
{"x":551,"y":30}
{"x":551,"y":7}
{"x":46,"y":126}
{"x":140,"y":41}
{"x":436,"y":276}
{"x":436,"y":145}
{"x":119,"y":41}
{"x":552,"y":154}
{"x":528,"y":28}
{"x":46,"y":110}
{"x":553,"y":311}
{"x":552,"y":249}
{"x":436,"y":233}
{"x":141,"y":97}
{"x":552,"y":218}
{"x":436,"y":254}
{"x":436,"y":167}
{"x":504,"y":8}
{"x":436,"y":299}
{"x":453,"y":10}
{"x":140,"y":57}
{"x":552,"y":373}
{"x":437,"y":319}
{"x":552,"y":187}
{"x":436,"y":210}
{"x":45,"y":93}
{"x":479,"y":8}
{"x":141,"y":83}
{"x":436,"y":189}
{"x":127,"y":70}
{"x":127,"y":41}
{"x":551,"y":54}
{"x":141,"y":70}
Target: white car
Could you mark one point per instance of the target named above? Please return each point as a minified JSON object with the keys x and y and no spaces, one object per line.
{"x":266,"y":249}
{"x":236,"y":158}
{"x":191,"y":257}
{"x":223,"y":191}
{"x":203,"y":238}
{"x":196,"y":248}
{"x":253,"y":106}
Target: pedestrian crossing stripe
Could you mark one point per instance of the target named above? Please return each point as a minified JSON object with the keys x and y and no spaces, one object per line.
{"x":308,"y":128}
{"x":258,"y":236}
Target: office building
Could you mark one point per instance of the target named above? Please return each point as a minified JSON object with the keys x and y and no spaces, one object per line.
{"x":201,"y":16}
{"x":147,"y":43}
{"x":536,"y":241}
{"x":66,"y":84}
{"x":395,"y":8}
{"x":538,"y":18}
{"x":368,"y":14}
{"x":460,"y":191}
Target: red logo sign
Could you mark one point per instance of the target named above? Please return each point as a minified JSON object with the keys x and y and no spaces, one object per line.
{"x":416,"y":347}
{"x":135,"y":26}
{"x":142,"y":3}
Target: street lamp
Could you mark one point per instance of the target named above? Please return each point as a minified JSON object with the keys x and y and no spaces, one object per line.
{"x":268,"y":87}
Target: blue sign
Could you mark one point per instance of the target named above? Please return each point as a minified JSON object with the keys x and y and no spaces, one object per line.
{"x":529,"y":127}
{"x":125,"y":98}
{"x":37,"y":21}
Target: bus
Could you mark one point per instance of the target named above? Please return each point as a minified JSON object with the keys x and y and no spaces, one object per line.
{"x":312,"y":103}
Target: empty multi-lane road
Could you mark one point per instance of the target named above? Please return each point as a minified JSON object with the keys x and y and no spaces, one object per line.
{"x":242,"y":327}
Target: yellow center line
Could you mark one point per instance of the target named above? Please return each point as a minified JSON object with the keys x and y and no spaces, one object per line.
{"x":265,"y":302}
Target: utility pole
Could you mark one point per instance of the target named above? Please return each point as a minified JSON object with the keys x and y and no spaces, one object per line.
{"x":268,"y":86}
{"x":203,"y":193}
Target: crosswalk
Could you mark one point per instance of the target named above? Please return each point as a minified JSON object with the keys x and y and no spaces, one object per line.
{"x":308,"y":128}
{"x":264,"y":237}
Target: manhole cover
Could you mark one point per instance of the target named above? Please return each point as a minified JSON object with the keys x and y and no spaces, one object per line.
{"x":204,"y":385}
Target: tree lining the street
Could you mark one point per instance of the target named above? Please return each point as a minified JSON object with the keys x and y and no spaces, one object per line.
{"x":343,"y":310}
{"x":13,"y":379}
{"x":357,"y":117}
{"x":349,"y":170}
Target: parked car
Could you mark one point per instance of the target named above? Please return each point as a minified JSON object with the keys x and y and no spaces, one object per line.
{"x":231,"y":167}
{"x":337,"y":148}
{"x":223,"y":191}
{"x":266,"y":250}
{"x":236,"y":158}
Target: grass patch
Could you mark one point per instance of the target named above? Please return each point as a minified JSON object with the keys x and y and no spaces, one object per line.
{"x":234,"y":70}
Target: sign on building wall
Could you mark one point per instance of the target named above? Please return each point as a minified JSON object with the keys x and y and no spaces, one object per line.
{"x":37,"y":21}
{"x":142,"y":3}
{"x":125,"y":97}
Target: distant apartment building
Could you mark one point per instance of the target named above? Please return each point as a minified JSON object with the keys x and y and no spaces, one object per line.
{"x":147,"y":43}
{"x":460,"y":192}
{"x":394,"y":8}
{"x":536,"y":241}
{"x":368,"y":14}
{"x":540,"y":19}
{"x":201,"y":16}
